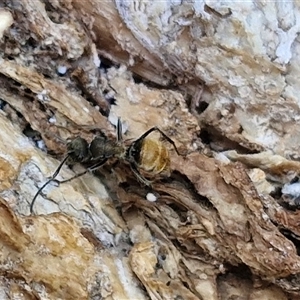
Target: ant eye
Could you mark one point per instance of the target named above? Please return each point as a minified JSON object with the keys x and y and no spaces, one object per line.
{"x":135,"y":153}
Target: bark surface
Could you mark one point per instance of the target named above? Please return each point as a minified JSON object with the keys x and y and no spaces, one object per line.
{"x":224,"y":223}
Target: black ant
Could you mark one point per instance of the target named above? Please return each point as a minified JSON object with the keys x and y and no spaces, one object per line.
{"x":149,"y":155}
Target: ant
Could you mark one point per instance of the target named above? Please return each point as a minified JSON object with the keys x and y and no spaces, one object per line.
{"x":149,"y":155}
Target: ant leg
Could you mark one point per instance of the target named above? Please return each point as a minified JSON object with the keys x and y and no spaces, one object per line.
{"x":47,"y":182}
{"x":162,"y":133}
{"x":90,"y":169}
{"x":139,"y":175}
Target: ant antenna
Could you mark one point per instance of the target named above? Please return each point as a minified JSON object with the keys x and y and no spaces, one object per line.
{"x":47,"y":182}
{"x":119,"y":130}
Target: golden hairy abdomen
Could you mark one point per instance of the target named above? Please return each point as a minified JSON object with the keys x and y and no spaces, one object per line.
{"x":154,"y":157}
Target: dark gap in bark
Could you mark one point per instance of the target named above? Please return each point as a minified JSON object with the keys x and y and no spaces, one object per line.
{"x":218,"y":142}
{"x":183,"y":179}
{"x":294,"y":238}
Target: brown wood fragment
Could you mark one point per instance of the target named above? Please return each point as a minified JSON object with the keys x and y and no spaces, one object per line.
{"x":216,"y":225}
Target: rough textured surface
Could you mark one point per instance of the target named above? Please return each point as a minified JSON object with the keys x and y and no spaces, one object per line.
{"x":242,"y":61}
{"x":224,"y":223}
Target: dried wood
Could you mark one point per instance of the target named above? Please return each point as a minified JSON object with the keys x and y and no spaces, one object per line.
{"x":222,"y":225}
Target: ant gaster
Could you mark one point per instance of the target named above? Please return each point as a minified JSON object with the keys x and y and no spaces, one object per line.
{"x":149,"y":155}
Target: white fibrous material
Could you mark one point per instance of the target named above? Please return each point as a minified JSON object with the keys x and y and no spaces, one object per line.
{"x":6,"y":21}
{"x":292,"y":189}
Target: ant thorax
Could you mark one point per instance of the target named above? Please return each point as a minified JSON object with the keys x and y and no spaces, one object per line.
{"x":101,"y":147}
